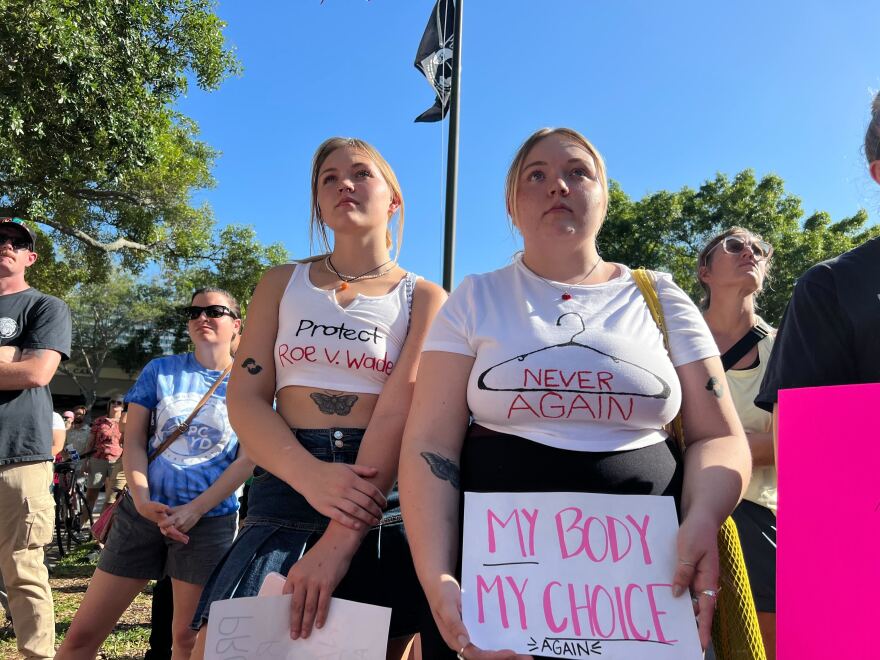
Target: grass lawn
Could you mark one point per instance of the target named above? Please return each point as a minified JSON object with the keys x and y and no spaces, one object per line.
{"x":69,"y":579}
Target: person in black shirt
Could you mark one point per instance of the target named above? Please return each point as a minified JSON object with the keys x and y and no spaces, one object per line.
{"x":828,"y":334}
{"x":35,"y":334}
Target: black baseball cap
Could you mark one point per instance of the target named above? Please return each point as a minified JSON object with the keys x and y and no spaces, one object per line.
{"x":20,"y":224}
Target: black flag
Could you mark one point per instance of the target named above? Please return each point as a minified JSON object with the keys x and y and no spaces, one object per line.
{"x":434,"y":57}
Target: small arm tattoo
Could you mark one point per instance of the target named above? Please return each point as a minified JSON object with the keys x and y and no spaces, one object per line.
{"x":715,"y":387}
{"x":443,"y":468}
{"x":33,"y":351}
{"x":334,"y":404}
{"x":251,"y":365}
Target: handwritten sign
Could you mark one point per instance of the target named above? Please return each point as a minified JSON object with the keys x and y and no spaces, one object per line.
{"x":829,"y":522}
{"x":259,"y":627}
{"x":574,"y":575}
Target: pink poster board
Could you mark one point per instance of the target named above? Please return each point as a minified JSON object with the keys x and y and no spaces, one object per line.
{"x":828,"y":555}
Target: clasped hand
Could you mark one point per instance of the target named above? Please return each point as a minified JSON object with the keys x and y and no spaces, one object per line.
{"x":173,"y":522}
{"x":342,"y":493}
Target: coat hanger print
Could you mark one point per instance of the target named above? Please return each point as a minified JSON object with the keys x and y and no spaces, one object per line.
{"x":664,"y":392}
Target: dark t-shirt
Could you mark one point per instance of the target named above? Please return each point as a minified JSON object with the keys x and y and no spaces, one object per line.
{"x":830,"y":332}
{"x":30,"y":319}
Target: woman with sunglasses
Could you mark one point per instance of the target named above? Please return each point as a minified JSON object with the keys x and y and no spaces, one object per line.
{"x":105,"y":440}
{"x":732,"y":269}
{"x":179,"y":516}
{"x":334,"y":341}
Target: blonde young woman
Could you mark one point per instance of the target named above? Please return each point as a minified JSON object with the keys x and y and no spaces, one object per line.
{"x":560,"y":306}
{"x":335,"y":342}
{"x":179,"y":516}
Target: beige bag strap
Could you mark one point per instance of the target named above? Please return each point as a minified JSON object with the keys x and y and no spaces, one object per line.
{"x":735,"y":630}
{"x":647,"y":283}
{"x":184,"y":426}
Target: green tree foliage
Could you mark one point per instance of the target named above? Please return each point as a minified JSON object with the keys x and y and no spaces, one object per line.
{"x":666,"y":231}
{"x":236,"y":266}
{"x":103,"y":315}
{"x":90,"y":147}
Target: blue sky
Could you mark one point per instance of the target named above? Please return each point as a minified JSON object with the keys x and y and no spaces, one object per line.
{"x":670,"y":93}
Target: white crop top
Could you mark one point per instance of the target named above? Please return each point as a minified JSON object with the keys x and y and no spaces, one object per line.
{"x":352,"y":349}
{"x":588,"y":374}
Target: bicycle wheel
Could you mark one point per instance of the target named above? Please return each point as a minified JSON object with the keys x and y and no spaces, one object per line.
{"x":59,"y":521}
{"x":67,"y":512}
{"x":81,"y":522}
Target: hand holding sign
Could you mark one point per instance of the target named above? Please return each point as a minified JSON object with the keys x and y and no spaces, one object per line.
{"x":446,"y":608}
{"x":243,"y":628}
{"x":257,"y":628}
{"x":698,"y":570}
{"x":314,"y":578}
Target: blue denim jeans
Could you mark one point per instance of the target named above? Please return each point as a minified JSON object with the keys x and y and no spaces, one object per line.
{"x":272,"y":501}
{"x":281,"y":526}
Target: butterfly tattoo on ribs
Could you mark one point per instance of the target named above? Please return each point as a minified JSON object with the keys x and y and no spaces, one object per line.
{"x":334,"y":404}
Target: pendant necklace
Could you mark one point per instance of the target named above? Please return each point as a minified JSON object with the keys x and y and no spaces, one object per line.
{"x":368,"y":275}
{"x":565,"y":292}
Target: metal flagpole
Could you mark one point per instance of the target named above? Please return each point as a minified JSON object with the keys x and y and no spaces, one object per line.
{"x":452,"y":154}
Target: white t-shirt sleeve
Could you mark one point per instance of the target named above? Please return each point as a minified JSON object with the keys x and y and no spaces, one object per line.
{"x":689,"y":336}
{"x":452,"y":329}
{"x":57,"y":422}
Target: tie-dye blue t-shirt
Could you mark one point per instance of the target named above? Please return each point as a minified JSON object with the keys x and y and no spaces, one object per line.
{"x":171,"y":387}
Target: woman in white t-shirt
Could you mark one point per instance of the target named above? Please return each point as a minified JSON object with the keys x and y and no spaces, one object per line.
{"x":560,"y":363}
{"x":731,"y":269}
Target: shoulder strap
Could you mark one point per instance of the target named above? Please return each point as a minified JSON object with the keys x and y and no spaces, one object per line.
{"x":647,"y":284}
{"x":736,"y":352}
{"x":183,"y":426}
{"x":410,"y":285}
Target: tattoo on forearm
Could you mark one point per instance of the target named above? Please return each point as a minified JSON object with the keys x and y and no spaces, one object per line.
{"x":715,"y":387}
{"x":443,"y":468}
{"x":33,"y":351}
{"x":334,"y":404}
{"x":251,"y":365}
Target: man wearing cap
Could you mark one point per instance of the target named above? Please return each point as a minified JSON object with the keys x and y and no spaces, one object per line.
{"x":35,"y":334}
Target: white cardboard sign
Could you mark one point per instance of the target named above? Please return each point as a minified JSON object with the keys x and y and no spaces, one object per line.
{"x":575,"y":575}
{"x":259,"y":627}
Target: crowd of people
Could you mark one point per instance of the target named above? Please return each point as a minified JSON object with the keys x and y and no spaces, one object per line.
{"x":354,"y":374}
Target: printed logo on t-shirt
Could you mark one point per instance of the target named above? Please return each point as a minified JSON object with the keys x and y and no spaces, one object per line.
{"x":8,"y":327}
{"x":572,"y":380}
{"x":207,"y":435}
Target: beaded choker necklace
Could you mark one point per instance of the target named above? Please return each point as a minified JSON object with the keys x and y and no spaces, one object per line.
{"x":368,"y":275}
{"x":565,"y":292}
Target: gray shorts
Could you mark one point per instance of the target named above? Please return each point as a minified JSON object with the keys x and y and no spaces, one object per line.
{"x":99,"y":470}
{"x":137,"y":549}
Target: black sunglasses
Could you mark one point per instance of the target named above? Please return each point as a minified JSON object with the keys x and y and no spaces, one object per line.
{"x":114,"y":402}
{"x":17,"y":242}
{"x":211,"y":311}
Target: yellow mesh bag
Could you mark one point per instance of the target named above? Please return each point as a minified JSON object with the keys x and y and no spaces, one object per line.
{"x":735,"y":631}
